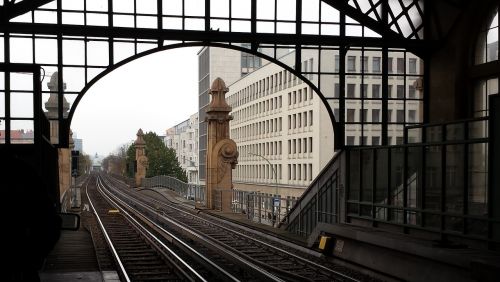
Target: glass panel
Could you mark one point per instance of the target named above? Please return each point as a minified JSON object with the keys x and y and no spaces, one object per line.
{"x":478,"y":129}
{"x":414,"y":135}
{"x":366,"y":210}
{"x":21,"y":81}
{"x":454,"y":189}
{"x":354,"y":175}
{"x":381,"y":167}
{"x":367,"y":175}
{"x":21,"y":105}
{"x":434,"y":133}
{"x":21,"y":132}
{"x":433,"y":168}
{"x":414,"y":174}
{"x":432,"y":221}
{"x":455,"y":131}
{"x":397,"y":181}
{"x":477,"y":227}
{"x":454,"y":223}
{"x":2,"y":105}
{"x":478,"y":179}
{"x":2,"y":131}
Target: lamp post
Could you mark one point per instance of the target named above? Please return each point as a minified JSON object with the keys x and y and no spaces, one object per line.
{"x":272,"y":167}
{"x":275,"y":178}
{"x":197,"y":174}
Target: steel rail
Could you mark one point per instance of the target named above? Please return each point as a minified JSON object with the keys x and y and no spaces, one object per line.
{"x":210,"y":241}
{"x":260,"y":242}
{"x":174,"y":237}
{"x":151,"y":235}
{"x":106,"y":236}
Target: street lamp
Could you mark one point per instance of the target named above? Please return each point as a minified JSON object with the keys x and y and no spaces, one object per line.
{"x":276,"y":180}
{"x":272,"y":167}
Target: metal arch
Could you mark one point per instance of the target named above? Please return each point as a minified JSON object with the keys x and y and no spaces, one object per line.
{"x":335,"y":124}
{"x":10,"y":11}
{"x":157,"y":34}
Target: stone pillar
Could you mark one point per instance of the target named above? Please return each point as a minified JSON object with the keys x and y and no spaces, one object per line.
{"x":64,"y":154}
{"x":222,"y":153}
{"x":140,"y":158}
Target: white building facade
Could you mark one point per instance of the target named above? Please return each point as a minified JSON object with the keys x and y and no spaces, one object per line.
{"x":183,"y":138}
{"x":282,"y":129}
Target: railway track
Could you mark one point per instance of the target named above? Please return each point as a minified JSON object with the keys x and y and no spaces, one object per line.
{"x":285,"y":263}
{"x":139,"y":254}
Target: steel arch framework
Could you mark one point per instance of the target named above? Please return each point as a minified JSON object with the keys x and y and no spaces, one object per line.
{"x":85,"y":39}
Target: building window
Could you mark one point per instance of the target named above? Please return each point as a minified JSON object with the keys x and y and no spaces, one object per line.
{"x":310,"y":144}
{"x":400,"y":116}
{"x":411,"y":92}
{"x":336,"y":92}
{"x":289,"y":146}
{"x":337,"y":63}
{"x":389,"y":115}
{"x":310,"y":118}
{"x":289,"y":98}
{"x":364,"y":116}
{"x":389,"y":65}
{"x":363,"y":88}
{"x":389,"y":91}
{"x":351,"y":89}
{"x":376,"y":115}
{"x":375,"y":90}
{"x":363,"y":140}
{"x":400,"y":65}
{"x":376,"y":64}
{"x":336,"y":114}
{"x":375,"y":140}
{"x":412,"y":116}
{"x":400,"y":91}
{"x":365,"y":64}
{"x":412,"y":66}
{"x":350,"y":115}
{"x":350,"y":140}
{"x":351,"y":63}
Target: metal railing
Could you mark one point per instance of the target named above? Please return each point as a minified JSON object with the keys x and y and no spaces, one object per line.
{"x":186,"y":190}
{"x":261,"y":208}
{"x":436,"y":182}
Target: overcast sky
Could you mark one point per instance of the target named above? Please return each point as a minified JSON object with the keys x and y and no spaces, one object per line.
{"x":153,"y":93}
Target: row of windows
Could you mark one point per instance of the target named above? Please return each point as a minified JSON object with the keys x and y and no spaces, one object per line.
{"x":258,"y":108}
{"x":374,"y":91}
{"x":375,"y":115}
{"x":297,"y":96}
{"x":300,"y":172}
{"x":255,"y":129}
{"x":260,"y":172}
{"x":300,"y":145}
{"x":264,"y":149}
{"x":374,"y":140}
{"x":300,"y":120}
{"x":274,"y":171}
{"x":274,"y":82}
{"x":376,"y":66}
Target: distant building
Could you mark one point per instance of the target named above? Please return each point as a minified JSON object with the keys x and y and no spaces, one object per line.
{"x":97,"y":162}
{"x":183,"y":138}
{"x":227,"y":64}
{"x":19,"y":136}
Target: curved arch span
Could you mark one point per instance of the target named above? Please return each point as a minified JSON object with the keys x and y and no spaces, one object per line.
{"x":109,"y":69}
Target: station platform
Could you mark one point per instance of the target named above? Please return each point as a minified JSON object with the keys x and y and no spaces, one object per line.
{"x":74,"y":259}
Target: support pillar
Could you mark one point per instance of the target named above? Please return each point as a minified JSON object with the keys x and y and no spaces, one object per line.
{"x":222,"y":153}
{"x":140,"y":158}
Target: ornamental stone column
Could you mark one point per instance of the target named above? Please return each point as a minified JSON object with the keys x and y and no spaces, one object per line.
{"x":222,"y":153}
{"x":140,"y":158}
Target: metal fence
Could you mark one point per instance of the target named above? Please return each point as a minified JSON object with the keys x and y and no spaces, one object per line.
{"x":261,"y":208}
{"x":186,"y":190}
